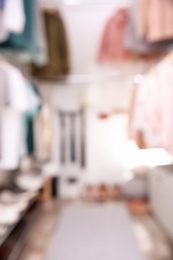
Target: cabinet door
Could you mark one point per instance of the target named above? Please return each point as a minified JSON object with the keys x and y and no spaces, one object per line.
{"x":166,"y":212}
{"x":161,"y":195}
{"x":155,"y":191}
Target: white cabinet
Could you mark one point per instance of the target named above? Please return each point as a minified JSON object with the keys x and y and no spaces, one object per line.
{"x":161,"y":195}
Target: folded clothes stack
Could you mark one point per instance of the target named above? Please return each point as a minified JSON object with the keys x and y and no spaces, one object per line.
{"x":15,"y":197}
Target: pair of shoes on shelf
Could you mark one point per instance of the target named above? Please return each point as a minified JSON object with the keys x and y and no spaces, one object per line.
{"x":12,"y":204}
{"x":10,"y":198}
{"x":30,"y":182}
{"x":19,"y":205}
{"x":13,"y":201}
{"x":15,"y":198}
{"x":14,"y":193}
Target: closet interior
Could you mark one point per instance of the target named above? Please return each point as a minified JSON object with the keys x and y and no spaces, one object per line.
{"x":86,"y":125}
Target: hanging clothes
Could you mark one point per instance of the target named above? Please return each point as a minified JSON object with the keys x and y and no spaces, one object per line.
{"x":112,"y":44}
{"x":17,"y":101}
{"x":164,"y":74}
{"x":30,"y":43}
{"x":27,"y":39}
{"x":31,"y":116}
{"x":58,"y":64}
{"x":4,"y":97}
{"x":42,"y":48}
{"x":154,"y":106}
{"x":146,"y":116}
{"x":43,"y":132}
{"x":155,"y":20}
{"x":2,"y":2}
{"x":4,"y":100}
{"x":138,"y":44}
{"x":12,"y":18}
{"x":16,"y":105}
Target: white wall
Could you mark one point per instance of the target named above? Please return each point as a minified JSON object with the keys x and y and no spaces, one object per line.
{"x":84,"y":29}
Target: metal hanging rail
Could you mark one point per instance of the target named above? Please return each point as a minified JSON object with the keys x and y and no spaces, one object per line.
{"x":68,"y":3}
{"x":94,"y":79}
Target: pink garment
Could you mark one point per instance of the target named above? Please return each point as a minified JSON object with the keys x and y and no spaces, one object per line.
{"x":146,"y":116}
{"x":155,"y":20}
{"x":112,"y":45}
{"x":165,"y":78}
{"x":150,"y":96}
{"x":154,"y":105}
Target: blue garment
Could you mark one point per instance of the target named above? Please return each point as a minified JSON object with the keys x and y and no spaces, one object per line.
{"x":29,"y":122}
{"x":2,"y":3}
{"x":27,"y":39}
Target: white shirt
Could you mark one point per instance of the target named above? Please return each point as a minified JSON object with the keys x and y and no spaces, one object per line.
{"x":12,"y":18}
{"x":21,"y":100}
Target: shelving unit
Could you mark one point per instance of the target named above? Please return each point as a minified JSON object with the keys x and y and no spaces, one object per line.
{"x":12,"y":227}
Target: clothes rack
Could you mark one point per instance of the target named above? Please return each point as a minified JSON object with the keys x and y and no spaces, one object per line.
{"x":66,"y":3}
{"x":83,"y":79}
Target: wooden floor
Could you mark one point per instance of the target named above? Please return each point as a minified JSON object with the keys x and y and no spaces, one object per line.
{"x":150,"y":236}
{"x":152,"y":239}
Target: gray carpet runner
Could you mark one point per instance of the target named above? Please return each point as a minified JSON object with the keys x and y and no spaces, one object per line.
{"x":94,"y":232}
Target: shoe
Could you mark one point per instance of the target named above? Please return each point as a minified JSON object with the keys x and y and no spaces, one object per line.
{"x":15,"y":194}
{"x":103,"y":193}
{"x":29,"y":182}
